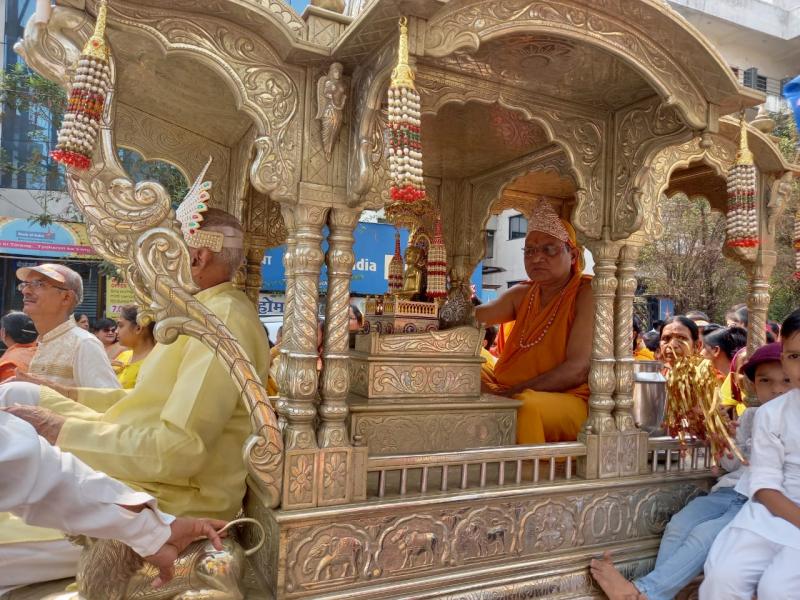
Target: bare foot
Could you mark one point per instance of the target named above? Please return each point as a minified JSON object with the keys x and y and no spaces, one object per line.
{"x":611,"y":581}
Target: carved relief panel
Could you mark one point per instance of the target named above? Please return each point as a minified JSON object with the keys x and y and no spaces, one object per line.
{"x":394,"y":546}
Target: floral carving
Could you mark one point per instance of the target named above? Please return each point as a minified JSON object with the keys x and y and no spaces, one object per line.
{"x":301,"y":476}
{"x":640,"y":133}
{"x":434,"y":432}
{"x":334,"y":474}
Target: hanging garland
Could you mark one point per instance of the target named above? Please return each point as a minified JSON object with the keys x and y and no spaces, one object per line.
{"x":742,"y":215}
{"x":437,"y":263}
{"x":405,"y":146}
{"x":693,"y":408}
{"x":797,"y":245}
{"x":396,"y":267}
{"x":78,"y":134}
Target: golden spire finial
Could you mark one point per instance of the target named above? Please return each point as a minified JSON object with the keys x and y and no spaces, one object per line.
{"x":743,"y":156}
{"x":96,"y":45}
{"x":402,"y":75}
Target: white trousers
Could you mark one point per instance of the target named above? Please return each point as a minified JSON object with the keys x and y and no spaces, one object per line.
{"x":743,"y":564}
{"x":19,"y":392}
{"x":26,"y":563}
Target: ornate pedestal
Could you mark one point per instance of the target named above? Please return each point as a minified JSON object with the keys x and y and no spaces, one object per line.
{"x":421,"y":393}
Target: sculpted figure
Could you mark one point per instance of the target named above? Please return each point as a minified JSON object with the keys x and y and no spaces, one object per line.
{"x":415,"y":267}
{"x":331,"y":98}
{"x":109,"y":570}
{"x":545,"y":362}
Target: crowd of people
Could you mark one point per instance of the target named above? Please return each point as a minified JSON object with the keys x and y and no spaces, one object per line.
{"x":744,"y":536}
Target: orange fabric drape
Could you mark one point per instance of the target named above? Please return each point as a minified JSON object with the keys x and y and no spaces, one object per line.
{"x":18,"y":356}
{"x":544,"y":416}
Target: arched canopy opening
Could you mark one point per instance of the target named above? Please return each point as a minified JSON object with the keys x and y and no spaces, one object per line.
{"x":699,"y":180}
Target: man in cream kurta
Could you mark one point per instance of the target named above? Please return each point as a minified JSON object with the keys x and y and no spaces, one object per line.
{"x":178,"y":434}
{"x":65,"y":354}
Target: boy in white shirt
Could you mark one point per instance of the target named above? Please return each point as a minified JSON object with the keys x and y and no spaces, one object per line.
{"x":691,"y":532}
{"x":759,"y":552}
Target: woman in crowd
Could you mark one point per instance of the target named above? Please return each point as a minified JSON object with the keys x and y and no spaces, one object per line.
{"x":18,"y":333}
{"x":679,"y":337}
{"x":691,"y":532}
{"x":640,"y":349}
{"x":105,"y":330}
{"x":356,"y":324}
{"x":720,"y":346}
{"x":759,"y":552}
{"x":737,"y":316}
{"x":138,"y":339}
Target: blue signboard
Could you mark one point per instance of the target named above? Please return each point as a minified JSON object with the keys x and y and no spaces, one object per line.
{"x":373,"y":248}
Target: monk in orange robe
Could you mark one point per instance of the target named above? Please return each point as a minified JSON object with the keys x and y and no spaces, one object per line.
{"x":545,"y":360}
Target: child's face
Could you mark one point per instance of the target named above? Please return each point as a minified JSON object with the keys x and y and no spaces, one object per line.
{"x":771,"y":381}
{"x":790,"y":357}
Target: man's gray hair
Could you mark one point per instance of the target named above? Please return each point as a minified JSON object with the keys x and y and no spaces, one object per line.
{"x":213,"y":220}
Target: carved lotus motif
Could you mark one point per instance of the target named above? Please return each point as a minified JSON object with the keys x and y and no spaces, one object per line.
{"x":301,"y":476}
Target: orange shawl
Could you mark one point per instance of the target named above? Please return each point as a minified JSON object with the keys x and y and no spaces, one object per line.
{"x":517,"y":363}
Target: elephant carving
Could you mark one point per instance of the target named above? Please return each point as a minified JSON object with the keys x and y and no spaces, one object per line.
{"x":334,"y":558}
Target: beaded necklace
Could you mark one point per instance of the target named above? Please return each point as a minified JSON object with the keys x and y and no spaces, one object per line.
{"x":547,"y":325}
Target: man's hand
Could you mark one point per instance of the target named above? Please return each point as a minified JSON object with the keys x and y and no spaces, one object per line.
{"x":29,"y":378}
{"x":184,"y":531}
{"x":66,"y":391}
{"x":47,"y":423}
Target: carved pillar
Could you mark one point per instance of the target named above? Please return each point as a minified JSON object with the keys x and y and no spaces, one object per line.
{"x":623,"y":337}
{"x":335,"y":375}
{"x":288,"y":319}
{"x":632,"y":448}
{"x":253,"y":259}
{"x":300,"y":388}
{"x":601,"y":374}
{"x":600,"y":432}
{"x":758,"y":302}
{"x":299,"y":375}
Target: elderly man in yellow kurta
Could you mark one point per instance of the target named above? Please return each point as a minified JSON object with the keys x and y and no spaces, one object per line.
{"x":545,"y":361}
{"x":178,"y":434}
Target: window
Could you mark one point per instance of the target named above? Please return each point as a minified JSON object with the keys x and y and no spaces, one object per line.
{"x":29,"y":126}
{"x":753,"y":80}
{"x":489,"y":244}
{"x":517,"y":227}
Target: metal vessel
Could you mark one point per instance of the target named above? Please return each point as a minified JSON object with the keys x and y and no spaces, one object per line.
{"x":649,"y":396}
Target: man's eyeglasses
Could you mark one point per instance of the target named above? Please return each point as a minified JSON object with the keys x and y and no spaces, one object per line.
{"x":38,"y":284}
{"x":549,"y":250}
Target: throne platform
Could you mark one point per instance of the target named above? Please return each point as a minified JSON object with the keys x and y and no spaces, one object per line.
{"x":421,"y":392}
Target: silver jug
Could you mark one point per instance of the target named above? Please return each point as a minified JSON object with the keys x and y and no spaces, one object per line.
{"x":649,"y":396}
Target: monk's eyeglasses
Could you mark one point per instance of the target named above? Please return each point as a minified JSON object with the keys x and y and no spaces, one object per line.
{"x":549,"y":250}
